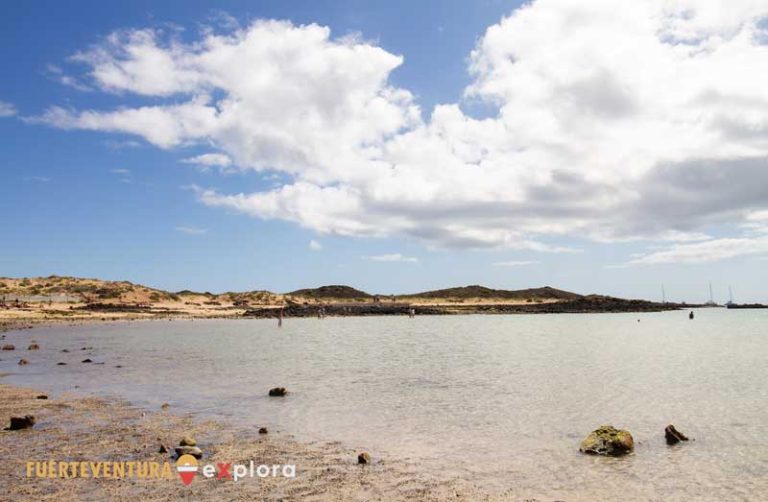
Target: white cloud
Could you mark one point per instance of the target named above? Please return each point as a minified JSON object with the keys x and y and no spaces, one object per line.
{"x":191,"y":230}
{"x":645,"y":122}
{"x":707,"y":251}
{"x":394,"y":257}
{"x":514,"y":263}
{"x":209,"y":160}
{"x":315,"y":245}
{"x":7,"y":109}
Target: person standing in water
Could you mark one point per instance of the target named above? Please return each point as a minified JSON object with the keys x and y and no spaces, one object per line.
{"x":690,"y":315}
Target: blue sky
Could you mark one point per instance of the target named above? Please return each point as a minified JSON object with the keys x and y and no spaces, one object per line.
{"x":513,"y":181}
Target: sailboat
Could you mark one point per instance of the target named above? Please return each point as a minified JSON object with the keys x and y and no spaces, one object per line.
{"x":711,"y":302}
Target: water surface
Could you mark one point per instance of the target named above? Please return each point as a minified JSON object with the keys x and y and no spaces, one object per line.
{"x":500,"y":400}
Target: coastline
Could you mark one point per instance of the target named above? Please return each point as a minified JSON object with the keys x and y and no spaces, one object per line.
{"x":78,"y":428}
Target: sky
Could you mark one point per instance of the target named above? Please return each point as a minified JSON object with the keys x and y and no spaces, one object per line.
{"x":394,"y":146}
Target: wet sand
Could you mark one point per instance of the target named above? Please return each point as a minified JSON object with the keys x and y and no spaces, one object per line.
{"x":73,"y":428}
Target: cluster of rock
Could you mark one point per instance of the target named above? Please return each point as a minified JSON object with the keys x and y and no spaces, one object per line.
{"x":188,"y":446}
{"x":609,"y":441}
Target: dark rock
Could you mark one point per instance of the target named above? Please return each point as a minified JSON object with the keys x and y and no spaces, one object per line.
{"x":86,"y":361}
{"x":263,"y":430}
{"x":33,"y":346}
{"x":9,"y":347}
{"x":363,"y":458}
{"x":23,"y":361}
{"x":673,"y":435}
{"x":278,"y":392}
{"x":65,"y":350}
{"x":189,"y":450}
{"x":187,"y":441}
{"x":163,"y":449}
{"x":165,"y":406}
{"x":118,"y":366}
{"x":18,"y":423}
{"x":42,"y":396}
{"x":608,"y":441}
{"x":61,"y":364}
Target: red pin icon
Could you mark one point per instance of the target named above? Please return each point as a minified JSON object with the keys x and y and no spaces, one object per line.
{"x":186,"y":466}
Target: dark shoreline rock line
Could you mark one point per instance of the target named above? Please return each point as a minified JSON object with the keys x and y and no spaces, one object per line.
{"x":580,"y":306}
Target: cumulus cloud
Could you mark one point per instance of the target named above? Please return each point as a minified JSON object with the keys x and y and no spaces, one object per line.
{"x":7,"y":109}
{"x":394,"y":257}
{"x":191,"y":230}
{"x":645,"y":122}
{"x":315,"y":245}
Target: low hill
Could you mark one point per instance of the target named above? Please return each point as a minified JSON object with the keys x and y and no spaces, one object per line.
{"x":330,"y":292}
{"x":87,"y":290}
{"x":482,"y":292}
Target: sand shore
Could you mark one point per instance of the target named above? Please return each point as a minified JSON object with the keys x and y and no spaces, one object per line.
{"x":74,"y":428}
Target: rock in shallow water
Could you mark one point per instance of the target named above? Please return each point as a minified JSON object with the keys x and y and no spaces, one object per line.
{"x":23,"y":361}
{"x":9,"y":347}
{"x":673,"y":435}
{"x":364,"y":458}
{"x":278,"y":392}
{"x":25,"y":422}
{"x":33,"y":346}
{"x":609,"y":441}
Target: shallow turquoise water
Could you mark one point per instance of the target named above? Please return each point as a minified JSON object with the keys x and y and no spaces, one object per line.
{"x":500,"y":400}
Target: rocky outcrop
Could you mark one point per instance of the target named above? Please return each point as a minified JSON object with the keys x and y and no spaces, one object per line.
{"x":674,"y":436}
{"x":607,"y":440}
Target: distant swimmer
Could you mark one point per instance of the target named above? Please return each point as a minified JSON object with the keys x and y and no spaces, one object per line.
{"x":690,"y":315}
